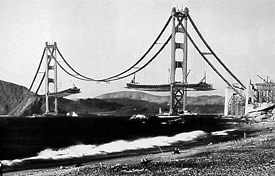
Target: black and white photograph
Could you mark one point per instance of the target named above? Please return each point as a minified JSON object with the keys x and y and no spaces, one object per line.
{"x":137,"y":88}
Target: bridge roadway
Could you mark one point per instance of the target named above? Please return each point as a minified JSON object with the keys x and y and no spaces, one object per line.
{"x":65,"y":93}
{"x":201,"y":86}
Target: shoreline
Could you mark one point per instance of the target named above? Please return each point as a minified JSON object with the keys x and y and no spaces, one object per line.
{"x":132,"y":164}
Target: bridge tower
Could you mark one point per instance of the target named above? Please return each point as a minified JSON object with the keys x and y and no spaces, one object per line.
{"x":50,"y":78}
{"x":178,"y":96}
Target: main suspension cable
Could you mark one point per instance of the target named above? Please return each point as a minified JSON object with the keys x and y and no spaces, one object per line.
{"x":144,"y":55}
{"x":40,"y":83}
{"x":117,"y":78}
{"x":111,"y":78}
{"x":213,"y":53}
{"x":76,"y":72}
{"x":67,"y":72}
{"x":43,"y":77}
{"x":141,"y":68}
{"x":125,"y":71}
{"x":37,"y":71}
{"x":208,"y":62}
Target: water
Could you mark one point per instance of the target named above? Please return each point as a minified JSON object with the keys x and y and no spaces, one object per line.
{"x":81,"y":150}
{"x":43,"y":142}
{"x":25,"y":137}
{"x":223,"y":132}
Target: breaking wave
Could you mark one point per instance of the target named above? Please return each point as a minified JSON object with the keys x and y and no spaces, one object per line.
{"x":77,"y":151}
{"x":222,"y":133}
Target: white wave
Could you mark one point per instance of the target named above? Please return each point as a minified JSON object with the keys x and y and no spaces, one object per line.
{"x":81,"y":150}
{"x":222,"y":133}
{"x":11,"y":162}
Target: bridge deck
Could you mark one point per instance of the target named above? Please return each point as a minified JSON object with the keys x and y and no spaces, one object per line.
{"x":65,"y":93}
{"x":166,"y":87}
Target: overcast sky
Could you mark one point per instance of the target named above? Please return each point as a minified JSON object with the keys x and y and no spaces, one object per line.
{"x":103,"y":37}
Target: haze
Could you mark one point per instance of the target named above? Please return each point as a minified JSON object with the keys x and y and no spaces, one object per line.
{"x":102,"y":37}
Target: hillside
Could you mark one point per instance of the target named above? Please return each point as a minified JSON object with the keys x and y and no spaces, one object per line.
{"x":11,"y":95}
{"x":16,"y":100}
{"x":140,"y":102}
{"x":135,"y":95}
{"x":82,"y":106}
{"x":131,"y":106}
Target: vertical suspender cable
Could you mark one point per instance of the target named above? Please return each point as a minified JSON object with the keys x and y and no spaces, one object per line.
{"x":208,"y":62}
{"x":213,"y":53}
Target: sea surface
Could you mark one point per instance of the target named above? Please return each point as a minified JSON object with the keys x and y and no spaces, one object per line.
{"x":39,"y":142}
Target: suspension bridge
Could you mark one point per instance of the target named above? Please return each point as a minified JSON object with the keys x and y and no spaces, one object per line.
{"x":179,"y":21}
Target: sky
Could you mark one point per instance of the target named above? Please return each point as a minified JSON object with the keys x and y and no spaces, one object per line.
{"x":103,"y":37}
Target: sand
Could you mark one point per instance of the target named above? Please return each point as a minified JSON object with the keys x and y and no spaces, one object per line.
{"x":248,"y":156}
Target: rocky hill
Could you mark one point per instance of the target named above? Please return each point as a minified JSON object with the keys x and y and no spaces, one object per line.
{"x":16,"y":100}
{"x":11,"y":95}
{"x":36,"y":105}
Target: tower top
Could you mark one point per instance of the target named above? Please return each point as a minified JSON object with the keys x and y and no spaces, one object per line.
{"x":186,"y":10}
{"x":173,"y":11}
{"x":183,"y":11}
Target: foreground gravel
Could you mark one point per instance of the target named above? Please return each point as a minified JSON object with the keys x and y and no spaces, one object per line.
{"x":256,"y":159}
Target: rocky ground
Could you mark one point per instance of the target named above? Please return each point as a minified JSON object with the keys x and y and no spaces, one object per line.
{"x":249,"y":156}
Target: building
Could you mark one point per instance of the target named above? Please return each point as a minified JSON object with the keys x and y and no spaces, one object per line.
{"x":256,"y":97}
{"x":234,"y":103}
